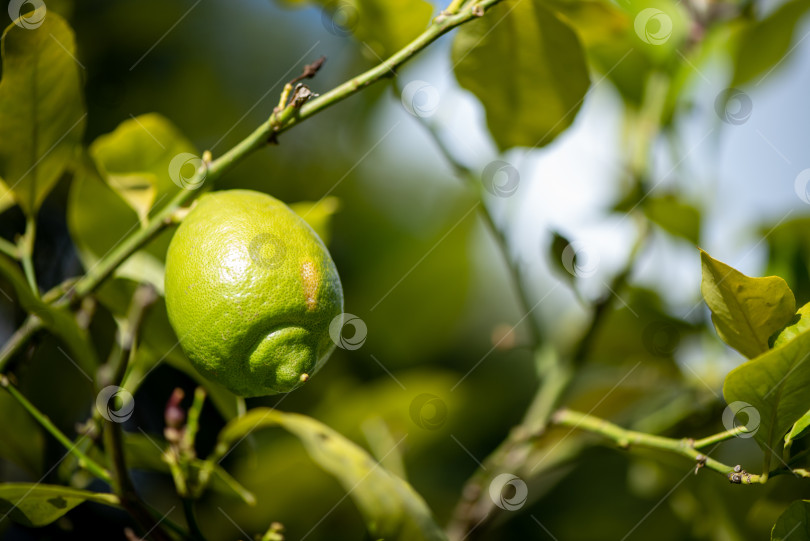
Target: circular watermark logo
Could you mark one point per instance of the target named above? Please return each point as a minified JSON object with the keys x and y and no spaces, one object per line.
{"x":579,"y":259}
{"x":653,"y":26}
{"x":661,"y":338}
{"x":267,"y":250}
{"x":30,"y":19}
{"x":358,"y":337}
{"x":188,"y":171}
{"x":500,"y":178}
{"x":340,"y":18}
{"x":733,"y":106}
{"x":509,"y":492}
{"x":732,"y":414}
{"x":802,"y":186}
{"x":420,"y":98}
{"x":115,"y":404}
{"x":428,"y":411}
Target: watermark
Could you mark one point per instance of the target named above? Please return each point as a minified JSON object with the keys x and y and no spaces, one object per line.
{"x":661,"y":338}
{"x":358,"y":337}
{"x":428,"y":411}
{"x":802,"y":186}
{"x":509,"y":492}
{"x":107,"y":407}
{"x":188,"y":171}
{"x":420,"y":98}
{"x":340,"y":17}
{"x":653,"y":26}
{"x":733,"y":106}
{"x":267,"y":250}
{"x":30,"y":19}
{"x":731,"y":418}
{"x":500,"y":178}
{"x":580,"y":260}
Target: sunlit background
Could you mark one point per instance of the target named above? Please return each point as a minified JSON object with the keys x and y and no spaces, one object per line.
{"x":421,"y":269}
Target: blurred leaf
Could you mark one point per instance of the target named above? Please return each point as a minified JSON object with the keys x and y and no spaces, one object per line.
{"x":35,"y":505}
{"x":794,"y":523}
{"x":318,"y":214}
{"x":775,"y":384}
{"x":22,"y":441}
{"x":41,"y":108}
{"x":390,"y":507}
{"x":59,"y":321}
{"x":6,"y":196}
{"x":557,"y":251}
{"x":113,"y":192}
{"x":135,"y":161}
{"x":674,"y":216}
{"x":383,"y":446}
{"x":789,"y":254}
{"x":528,"y":69}
{"x":99,"y":219}
{"x":384,"y":25}
{"x":746,"y":311}
{"x":765,"y":43}
{"x":607,"y":33}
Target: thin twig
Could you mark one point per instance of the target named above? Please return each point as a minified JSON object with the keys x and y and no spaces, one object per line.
{"x":626,"y":439}
{"x":84,"y":461}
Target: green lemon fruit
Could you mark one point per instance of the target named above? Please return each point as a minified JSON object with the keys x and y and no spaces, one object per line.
{"x":251,"y":291}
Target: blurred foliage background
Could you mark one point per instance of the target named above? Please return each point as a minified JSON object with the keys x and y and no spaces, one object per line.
{"x":426,"y":276}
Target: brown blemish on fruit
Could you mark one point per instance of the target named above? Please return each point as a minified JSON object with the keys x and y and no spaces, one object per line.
{"x":309,"y":279}
{"x":304,"y":377}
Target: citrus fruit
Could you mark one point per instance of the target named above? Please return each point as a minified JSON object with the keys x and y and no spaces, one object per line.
{"x":250,"y":292}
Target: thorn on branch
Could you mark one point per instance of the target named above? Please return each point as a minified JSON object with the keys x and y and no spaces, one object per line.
{"x":310,"y":70}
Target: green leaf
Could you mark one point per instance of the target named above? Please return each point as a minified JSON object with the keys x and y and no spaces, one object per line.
{"x":746,"y":311}
{"x":764,"y":44}
{"x":528,"y":69}
{"x":390,"y":507}
{"x":775,"y":384}
{"x":35,"y":505}
{"x":42,"y":114}
{"x":384,"y":25}
{"x":794,"y":523}
{"x":798,"y":325}
{"x":799,"y":428}
{"x":59,"y":321}
{"x":318,"y":215}
{"x":136,"y":158}
{"x":674,"y":216}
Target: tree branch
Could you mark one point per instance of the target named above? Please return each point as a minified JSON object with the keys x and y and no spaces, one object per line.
{"x":626,"y":439}
{"x":279,"y":121}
